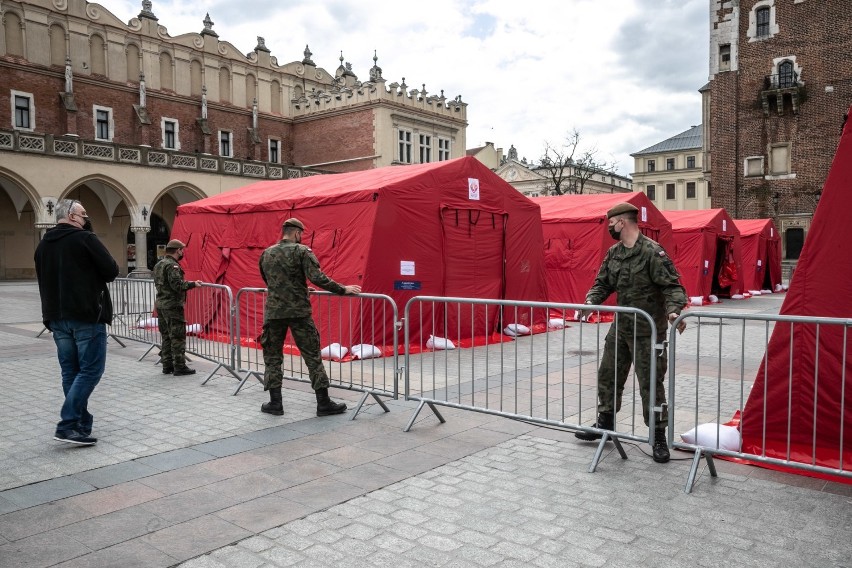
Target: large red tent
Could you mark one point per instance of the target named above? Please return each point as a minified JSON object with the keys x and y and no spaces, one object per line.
{"x":451,"y":228}
{"x":707,"y":252}
{"x":800,"y":407}
{"x":576,"y":238}
{"x":761,"y":253}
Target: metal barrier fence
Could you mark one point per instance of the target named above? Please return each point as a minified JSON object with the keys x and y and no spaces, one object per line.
{"x":713,"y":370}
{"x":359,"y":332}
{"x":546,"y":374}
{"x":208,"y":312}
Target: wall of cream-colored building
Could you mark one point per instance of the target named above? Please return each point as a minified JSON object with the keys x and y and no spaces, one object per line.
{"x":390,"y":120}
{"x":680,"y":176}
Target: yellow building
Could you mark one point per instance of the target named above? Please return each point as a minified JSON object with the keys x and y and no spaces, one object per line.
{"x":670,"y":172}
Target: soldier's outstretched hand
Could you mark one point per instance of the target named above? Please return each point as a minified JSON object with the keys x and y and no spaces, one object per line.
{"x":681,"y":326}
{"x":352,"y":289}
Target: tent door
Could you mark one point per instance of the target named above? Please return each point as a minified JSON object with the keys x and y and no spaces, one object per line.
{"x":474,"y":254}
{"x":724,"y":268}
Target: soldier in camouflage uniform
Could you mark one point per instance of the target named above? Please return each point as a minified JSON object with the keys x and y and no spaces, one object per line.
{"x":171,"y":297}
{"x":285,"y":267}
{"x":644,"y":277}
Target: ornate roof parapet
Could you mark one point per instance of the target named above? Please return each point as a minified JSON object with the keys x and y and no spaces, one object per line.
{"x":208,"y":27}
{"x":375,"y":70}
{"x":307,"y":60}
{"x":261,"y":45}
{"x":146,"y":11}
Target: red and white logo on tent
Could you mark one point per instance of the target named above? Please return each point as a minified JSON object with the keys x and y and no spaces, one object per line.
{"x":473,"y":189}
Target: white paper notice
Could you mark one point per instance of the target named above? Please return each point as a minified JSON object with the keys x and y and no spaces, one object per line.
{"x":759,"y":263}
{"x":406,"y":267}
{"x":724,"y":225}
{"x":706,"y":264}
{"x":644,"y":214}
{"x":473,"y":189}
{"x":771,"y":232}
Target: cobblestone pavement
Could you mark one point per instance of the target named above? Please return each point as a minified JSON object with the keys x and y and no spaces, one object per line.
{"x":193,"y":476}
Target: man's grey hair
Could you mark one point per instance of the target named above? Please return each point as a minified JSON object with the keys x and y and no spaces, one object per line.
{"x":64,"y":207}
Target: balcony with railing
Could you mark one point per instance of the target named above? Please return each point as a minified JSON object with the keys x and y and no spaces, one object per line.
{"x":782,"y":90}
{"x":76,"y":148}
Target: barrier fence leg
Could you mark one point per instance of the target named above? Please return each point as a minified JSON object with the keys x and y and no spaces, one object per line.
{"x":416,"y":412}
{"x":615,"y":441}
{"x":148,"y":351}
{"x":41,"y":332}
{"x":693,"y":471}
{"x":244,"y":379}
{"x":364,"y":399}
{"x":117,"y":340}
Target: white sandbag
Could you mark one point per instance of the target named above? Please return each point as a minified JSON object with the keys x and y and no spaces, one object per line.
{"x":705,"y":435}
{"x":334,"y":351}
{"x":439,"y":343}
{"x":148,"y":323}
{"x":555,"y":323}
{"x":365,"y":351}
{"x":713,"y":299}
{"x":755,"y":292}
{"x":766,"y":291}
{"x":515,"y":329}
{"x":193,"y":329}
{"x":696,"y":300}
{"x":779,"y":287}
{"x":738,"y":297}
{"x":785,"y":287}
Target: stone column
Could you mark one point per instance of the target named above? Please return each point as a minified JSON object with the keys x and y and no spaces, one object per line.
{"x":141,"y":236}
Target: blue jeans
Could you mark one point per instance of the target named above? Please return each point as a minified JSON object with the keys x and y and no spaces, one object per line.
{"x":81,"y":348}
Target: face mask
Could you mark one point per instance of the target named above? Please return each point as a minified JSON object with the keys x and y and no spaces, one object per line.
{"x":87,"y":224}
{"x":614,"y":234}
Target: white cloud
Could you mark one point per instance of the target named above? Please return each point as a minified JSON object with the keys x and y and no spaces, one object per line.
{"x":625,"y":73}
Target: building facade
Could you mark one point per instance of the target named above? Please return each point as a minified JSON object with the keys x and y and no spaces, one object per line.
{"x":780,"y":86}
{"x":671,"y":173}
{"x":134,"y":122}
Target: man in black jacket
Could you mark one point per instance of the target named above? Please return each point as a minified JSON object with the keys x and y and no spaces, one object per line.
{"x":73,"y":268}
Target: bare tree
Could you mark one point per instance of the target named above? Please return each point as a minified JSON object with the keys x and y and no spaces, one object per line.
{"x":567,"y":168}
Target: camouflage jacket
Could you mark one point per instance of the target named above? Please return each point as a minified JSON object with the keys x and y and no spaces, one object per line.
{"x":171,"y":287}
{"x":644,"y":277}
{"x":285,"y":267}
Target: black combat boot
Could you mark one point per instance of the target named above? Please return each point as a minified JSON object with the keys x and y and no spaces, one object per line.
{"x":661,"y":446}
{"x":274,"y":406}
{"x":180,"y":371}
{"x":168,"y":369}
{"x":326,"y":406}
{"x":606,"y":421}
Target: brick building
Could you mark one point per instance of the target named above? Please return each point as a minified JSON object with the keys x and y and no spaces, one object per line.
{"x":780,"y":86}
{"x":134,"y":122}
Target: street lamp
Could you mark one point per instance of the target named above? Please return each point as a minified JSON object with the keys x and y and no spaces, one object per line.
{"x":776,"y":197}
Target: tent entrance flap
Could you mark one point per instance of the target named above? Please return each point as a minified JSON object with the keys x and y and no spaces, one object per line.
{"x":474,"y":260}
{"x":725,"y":268}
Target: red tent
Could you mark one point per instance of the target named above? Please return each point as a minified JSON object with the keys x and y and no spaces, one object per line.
{"x":761,"y":251}
{"x":576,"y":238}
{"x":450,"y":228}
{"x":707,"y":252}
{"x":804,"y":386}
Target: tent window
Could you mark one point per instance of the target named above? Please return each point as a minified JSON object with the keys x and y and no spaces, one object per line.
{"x":794,"y":238}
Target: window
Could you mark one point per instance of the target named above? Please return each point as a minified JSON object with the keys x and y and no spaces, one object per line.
{"x":103,"y":123}
{"x":670,"y":191}
{"x":794,"y":239}
{"x":786,"y":76}
{"x":762,"y":16}
{"x":24,"y":116}
{"x":690,"y":190}
{"x":425,"y":148}
{"x":725,"y":57}
{"x":171,"y":133}
{"x":753,"y":166}
{"x":225,"y":149}
{"x":273,"y":151}
{"x":690,"y":161}
{"x":443,"y":149}
{"x":404,"y":147}
{"x":651,"y":191}
{"x":670,"y":163}
{"x":779,"y":159}
{"x":652,"y":166}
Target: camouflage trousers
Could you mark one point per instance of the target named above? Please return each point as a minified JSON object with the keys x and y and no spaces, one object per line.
{"x":172,"y":324}
{"x":307,"y":340}
{"x":619,"y":354}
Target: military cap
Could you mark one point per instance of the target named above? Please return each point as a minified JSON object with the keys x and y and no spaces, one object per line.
{"x":293,"y":222}
{"x":621,"y":208}
{"x":175,"y":244}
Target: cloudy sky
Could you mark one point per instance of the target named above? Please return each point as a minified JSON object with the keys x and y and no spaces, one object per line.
{"x":624,"y":73}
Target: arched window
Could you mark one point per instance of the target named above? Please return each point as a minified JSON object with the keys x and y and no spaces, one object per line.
{"x":167,"y":79}
{"x":275,"y":96}
{"x":786,"y":76}
{"x":14,"y":34}
{"x":195,"y":80}
{"x":97,"y":55}
{"x":132,"y":63}
{"x":57,"y":45}
{"x":224,"y":85}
